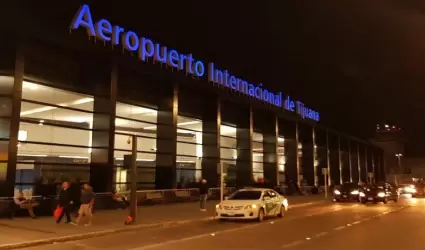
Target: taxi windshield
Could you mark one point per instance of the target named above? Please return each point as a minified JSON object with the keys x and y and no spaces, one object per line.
{"x":245,"y":195}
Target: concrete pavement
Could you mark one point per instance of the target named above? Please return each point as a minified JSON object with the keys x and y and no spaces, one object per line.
{"x":26,"y":232}
{"x":322,"y":226}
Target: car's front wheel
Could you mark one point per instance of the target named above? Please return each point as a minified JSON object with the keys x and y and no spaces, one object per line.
{"x":282,"y":211}
{"x":260,"y":217}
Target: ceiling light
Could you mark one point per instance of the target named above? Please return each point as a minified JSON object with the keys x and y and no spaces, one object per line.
{"x":138,"y":159}
{"x":178,"y":124}
{"x":33,"y":155}
{"x":66,"y":104}
{"x":76,"y":157}
{"x":187,"y":123}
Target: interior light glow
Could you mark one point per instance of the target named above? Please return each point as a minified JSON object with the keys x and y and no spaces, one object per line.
{"x":22,"y":135}
{"x":178,"y":124}
{"x":30,"y":155}
{"x":66,"y":104}
{"x":73,"y":156}
{"x":29,"y":85}
{"x":138,"y":159}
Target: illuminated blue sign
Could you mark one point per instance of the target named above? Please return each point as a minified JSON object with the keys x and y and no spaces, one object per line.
{"x":147,"y":49}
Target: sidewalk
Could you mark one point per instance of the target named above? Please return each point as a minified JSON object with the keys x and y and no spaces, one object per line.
{"x":22,"y":230}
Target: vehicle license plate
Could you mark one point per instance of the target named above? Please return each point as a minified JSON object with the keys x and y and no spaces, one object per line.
{"x":371,"y":199}
{"x":230,"y":214}
{"x":344,"y":196}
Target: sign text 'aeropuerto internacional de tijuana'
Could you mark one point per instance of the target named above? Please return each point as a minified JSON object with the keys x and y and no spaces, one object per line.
{"x":146,"y":50}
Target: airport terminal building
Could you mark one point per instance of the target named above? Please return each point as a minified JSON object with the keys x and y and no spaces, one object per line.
{"x":73,"y":94}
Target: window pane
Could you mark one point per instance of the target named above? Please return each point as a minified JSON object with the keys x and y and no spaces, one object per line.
{"x":228,"y":131}
{"x":189,"y":149}
{"x":5,"y":106}
{"x":57,"y":135}
{"x":38,"y":150}
{"x":280,"y":141}
{"x":189,"y":162}
{"x":136,"y":112}
{"x":229,"y":154}
{"x":257,"y":157}
{"x":40,"y":93}
{"x":135,"y":127}
{"x":143,"y":159}
{"x":55,"y":116}
{"x":4,"y":128}
{"x":189,"y":124}
{"x":143,"y":144}
{"x":257,"y":146}
{"x":6,"y":85}
{"x":185,"y":177}
{"x":257,"y":137}
{"x":257,"y":167}
{"x":228,"y":142}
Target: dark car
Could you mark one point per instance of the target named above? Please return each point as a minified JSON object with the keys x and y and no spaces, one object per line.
{"x":419,"y":190}
{"x":379,"y":193}
{"x":347,"y":192}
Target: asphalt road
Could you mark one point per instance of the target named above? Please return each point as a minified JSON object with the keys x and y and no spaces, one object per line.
{"x":322,"y":226}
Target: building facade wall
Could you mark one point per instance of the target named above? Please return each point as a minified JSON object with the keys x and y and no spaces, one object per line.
{"x":68,"y":112}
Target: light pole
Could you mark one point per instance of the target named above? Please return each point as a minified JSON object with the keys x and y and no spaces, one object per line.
{"x":133,"y":191}
{"x":399,"y":160}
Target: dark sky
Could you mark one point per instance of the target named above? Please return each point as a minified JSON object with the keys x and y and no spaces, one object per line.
{"x":358,"y":62}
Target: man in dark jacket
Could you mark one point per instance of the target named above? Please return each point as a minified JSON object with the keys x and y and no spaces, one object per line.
{"x":203,"y":192}
{"x":65,"y":202}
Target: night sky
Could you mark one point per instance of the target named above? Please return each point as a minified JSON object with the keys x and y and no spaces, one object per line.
{"x":358,"y":62}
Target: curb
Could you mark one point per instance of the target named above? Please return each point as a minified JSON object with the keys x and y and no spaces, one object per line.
{"x":96,"y":234}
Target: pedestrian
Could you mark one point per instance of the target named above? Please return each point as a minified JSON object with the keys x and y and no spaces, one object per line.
{"x":75,"y":190}
{"x":203,"y":192}
{"x":65,"y":203}
{"x":87,"y":201}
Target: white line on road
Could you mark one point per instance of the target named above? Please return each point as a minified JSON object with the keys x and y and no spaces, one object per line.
{"x":194,"y":237}
{"x":321,"y":234}
{"x":292,"y":244}
{"x":339,"y":228}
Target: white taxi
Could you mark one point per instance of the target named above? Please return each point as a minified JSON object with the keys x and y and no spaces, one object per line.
{"x":252,"y":203}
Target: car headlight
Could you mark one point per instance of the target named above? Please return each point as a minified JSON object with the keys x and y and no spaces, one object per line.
{"x":285,"y":202}
{"x":218,"y":206}
{"x":337,"y":192}
{"x":410,"y":189}
{"x":362,"y":194}
{"x":355,"y":192}
{"x":381,"y":194}
{"x":253,"y":206}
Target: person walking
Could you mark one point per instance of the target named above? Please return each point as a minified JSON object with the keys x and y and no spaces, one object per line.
{"x":65,"y":203}
{"x":87,"y":201}
{"x":203,"y":192}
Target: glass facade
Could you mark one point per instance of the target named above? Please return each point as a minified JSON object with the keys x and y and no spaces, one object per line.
{"x":63,"y":118}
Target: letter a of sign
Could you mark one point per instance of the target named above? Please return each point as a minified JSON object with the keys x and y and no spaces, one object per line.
{"x":83,"y":18}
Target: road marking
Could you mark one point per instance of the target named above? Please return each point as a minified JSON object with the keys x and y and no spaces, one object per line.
{"x":339,"y":228}
{"x":291,"y":244}
{"x":194,"y":237}
{"x":321,"y":234}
